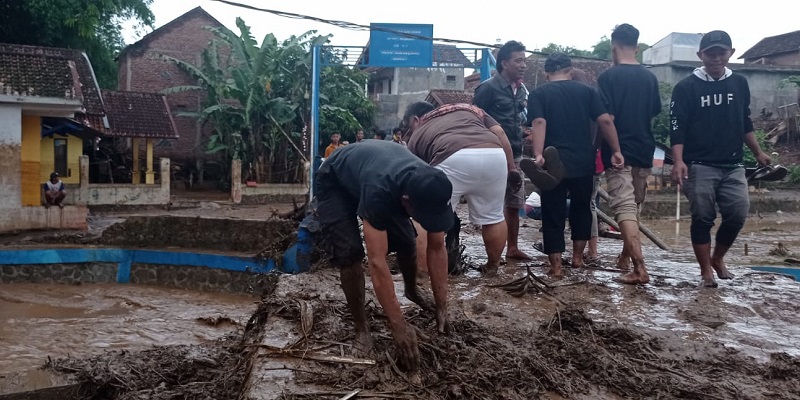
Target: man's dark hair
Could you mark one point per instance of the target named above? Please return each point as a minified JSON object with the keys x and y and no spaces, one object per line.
{"x":625,"y":35}
{"x":417,"y":109}
{"x":512,"y":46}
{"x":397,"y":131}
{"x":379,"y":134}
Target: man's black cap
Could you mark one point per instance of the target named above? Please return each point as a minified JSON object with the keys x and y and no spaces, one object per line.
{"x":557,"y":61}
{"x":429,"y":193}
{"x":716,"y":39}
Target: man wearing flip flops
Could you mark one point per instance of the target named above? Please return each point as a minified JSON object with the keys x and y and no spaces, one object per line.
{"x":631,"y":96}
{"x":710,"y":120}
{"x":560,"y":113}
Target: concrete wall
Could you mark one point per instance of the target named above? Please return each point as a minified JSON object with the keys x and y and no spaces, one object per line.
{"x":26,"y":218}
{"x":101,"y":194}
{"x":31,"y":160}
{"x":764,"y":90}
{"x":10,"y":157}
{"x":412,"y":80}
{"x":273,"y":192}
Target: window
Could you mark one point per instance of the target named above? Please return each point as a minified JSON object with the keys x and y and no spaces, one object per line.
{"x":60,"y":156}
{"x":450,"y":82}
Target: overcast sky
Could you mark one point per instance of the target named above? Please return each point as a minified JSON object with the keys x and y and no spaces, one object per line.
{"x":532,"y":22}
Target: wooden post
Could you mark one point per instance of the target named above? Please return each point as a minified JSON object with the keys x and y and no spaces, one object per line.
{"x":150,"y":175}
{"x":642,"y":228}
{"x":136,"y":176}
{"x":236,"y":181}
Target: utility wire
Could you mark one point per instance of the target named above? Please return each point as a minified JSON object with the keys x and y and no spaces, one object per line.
{"x":354,"y":26}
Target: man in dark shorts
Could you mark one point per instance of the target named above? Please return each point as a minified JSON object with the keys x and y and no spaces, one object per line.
{"x":384,"y":184}
{"x":503,"y":97}
{"x":710,"y":121}
{"x":560,"y":113}
{"x":631,"y":96}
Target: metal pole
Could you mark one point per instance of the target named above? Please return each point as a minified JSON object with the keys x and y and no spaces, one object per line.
{"x":487,"y":64}
{"x":316,"y":52}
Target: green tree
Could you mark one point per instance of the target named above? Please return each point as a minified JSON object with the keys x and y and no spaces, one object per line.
{"x":640,"y":53}
{"x":661,"y":121}
{"x":603,"y":48}
{"x":568,"y":50}
{"x":257,"y":99}
{"x":93,"y":26}
{"x":793,"y":80}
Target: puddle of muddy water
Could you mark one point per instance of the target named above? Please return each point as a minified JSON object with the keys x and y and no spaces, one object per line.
{"x":753,"y":313}
{"x":38,"y":321}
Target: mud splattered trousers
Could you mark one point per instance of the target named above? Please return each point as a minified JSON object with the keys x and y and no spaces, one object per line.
{"x":709,"y":189}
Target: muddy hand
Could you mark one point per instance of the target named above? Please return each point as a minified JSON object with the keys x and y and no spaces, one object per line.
{"x":422,"y":298}
{"x":514,"y":180}
{"x":405,"y":338}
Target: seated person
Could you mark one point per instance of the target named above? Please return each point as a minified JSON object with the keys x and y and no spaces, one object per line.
{"x":54,"y":192}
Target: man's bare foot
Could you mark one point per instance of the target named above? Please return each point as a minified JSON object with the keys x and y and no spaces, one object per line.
{"x":577,"y":262}
{"x":634,"y":278}
{"x":555,"y":272}
{"x":489,"y":268}
{"x":517,"y":254}
{"x":362,"y":344}
{"x":708,"y":282}
{"x":721,"y":269}
{"x":422,"y":298}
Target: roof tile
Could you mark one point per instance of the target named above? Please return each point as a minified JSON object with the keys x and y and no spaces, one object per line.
{"x":136,"y":114}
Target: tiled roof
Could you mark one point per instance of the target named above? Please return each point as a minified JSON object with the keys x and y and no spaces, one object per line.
{"x":534,"y":74}
{"x":86,"y":88}
{"x":439,"y":97}
{"x":774,"y":45}
{"x":451,"y":55}
{"x":792,"y":69}
{"x":37,"y":76}
{"x":136,"y":114}
{"x":196,"y":12}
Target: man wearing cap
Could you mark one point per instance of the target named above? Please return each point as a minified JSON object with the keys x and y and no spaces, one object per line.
{"x":384,"y":184}
{"x":631,"y":96}
{"x":503,"y":97}
{"x":471,"y":148}
{"x":710,"y":120}
{"x":560,"y":113}
{"x":54,"y":192}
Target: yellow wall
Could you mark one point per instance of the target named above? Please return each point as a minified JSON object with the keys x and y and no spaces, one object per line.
{"x":74,"y":151}
{"x":31,"y":160}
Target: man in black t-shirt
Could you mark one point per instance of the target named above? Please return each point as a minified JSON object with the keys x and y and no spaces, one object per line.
{"x":560,"y":113}
{"x":384,"y":184}
{"x":710,"y":120}
{"x":631,"y":96}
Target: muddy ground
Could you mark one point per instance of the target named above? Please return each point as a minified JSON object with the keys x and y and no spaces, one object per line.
{"x":585,"y":337}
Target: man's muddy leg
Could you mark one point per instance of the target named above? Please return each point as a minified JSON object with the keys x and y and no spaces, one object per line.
{"x":577,"y":253}
{"x":555,"y":270}
{"x":718,"y":261}
{"x":422,"y":249}
{"x":494,"y":239}
{"x":352,"y":280}
{"x":630,"y":237}
{"x":406,"y":260}
{"x":703,"y":254}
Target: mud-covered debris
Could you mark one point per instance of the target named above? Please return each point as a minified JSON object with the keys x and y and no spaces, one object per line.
{"x":218,"y":320}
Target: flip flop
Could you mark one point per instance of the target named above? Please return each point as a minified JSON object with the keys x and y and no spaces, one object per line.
{"x":537,"y":175}
{"x":552,"y":163}
{"x":769,"y":173}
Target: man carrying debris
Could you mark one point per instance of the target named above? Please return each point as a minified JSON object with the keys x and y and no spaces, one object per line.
{"x":384,"y":184}
{"x":631,"y":96}
{"x":710,"y":120}
{"x":560,"y":113}
{"x":473,"y":151}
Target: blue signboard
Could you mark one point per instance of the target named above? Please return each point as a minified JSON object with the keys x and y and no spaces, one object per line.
{"x":389,"y":47}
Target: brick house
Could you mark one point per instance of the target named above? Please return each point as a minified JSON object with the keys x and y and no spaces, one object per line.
{"x":775,"y":50}
{"x":142,"y":69}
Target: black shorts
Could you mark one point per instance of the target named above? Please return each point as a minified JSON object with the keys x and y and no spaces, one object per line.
{"x":339,"y":234}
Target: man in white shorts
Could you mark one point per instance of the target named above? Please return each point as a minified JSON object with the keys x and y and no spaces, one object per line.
{"x":473,"y":151}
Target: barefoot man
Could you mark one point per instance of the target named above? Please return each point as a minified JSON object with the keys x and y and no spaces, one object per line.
{"x":503,"y":97}
{"x":473,"y":151}
{"x":631,"y":96}
{"x":710,"y":120}
{"x":560,"y":113}
{"x":384,"y":184}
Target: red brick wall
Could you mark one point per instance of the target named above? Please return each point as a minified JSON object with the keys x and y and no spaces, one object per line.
{"x":142,"y":68}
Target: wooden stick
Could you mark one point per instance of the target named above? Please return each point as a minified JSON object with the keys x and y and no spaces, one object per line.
{"x":350,"y":395}
{"x":322,"y":357}
{"x":610,"y":221}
